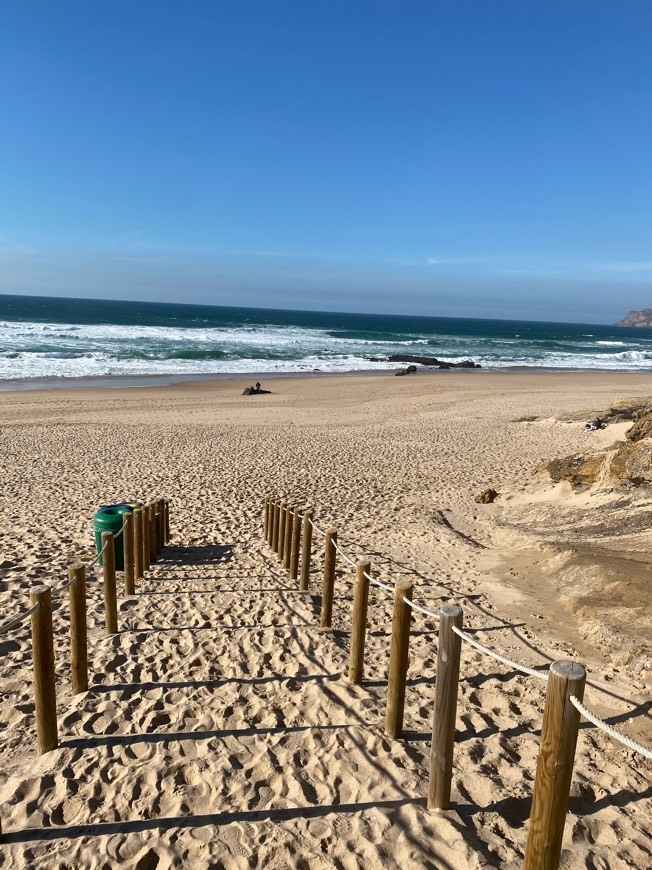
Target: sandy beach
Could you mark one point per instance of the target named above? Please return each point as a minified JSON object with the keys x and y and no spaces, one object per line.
{"x":221,"y":729}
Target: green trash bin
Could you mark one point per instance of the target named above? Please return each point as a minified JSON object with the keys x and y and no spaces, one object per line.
{"x":110,"y":518}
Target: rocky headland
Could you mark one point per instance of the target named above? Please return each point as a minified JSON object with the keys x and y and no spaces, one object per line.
{"x":637,"y":318}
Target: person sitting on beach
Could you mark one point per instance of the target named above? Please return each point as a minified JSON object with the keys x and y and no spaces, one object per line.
{"x":595,"y":424}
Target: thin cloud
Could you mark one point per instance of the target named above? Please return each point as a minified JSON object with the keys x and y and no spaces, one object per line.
{"x":623,"y":266}
{"x":11,"y":248}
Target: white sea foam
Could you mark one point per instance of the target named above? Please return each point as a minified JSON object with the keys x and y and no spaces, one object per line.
{"x":30,"y":350}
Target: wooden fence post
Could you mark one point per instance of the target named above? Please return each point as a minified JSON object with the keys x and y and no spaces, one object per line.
{"x":110,"y":598}
{"x":167,"y":521}
{"x":128,"y":542}
{"x":45,"y":697}
{"x":306,"y":552}
{"x":138,"y":546}
{"x":282,"y":518}
{"x":151,"y":526}
{"x":296,"y":545}
{"x":276,"y":511}
{"x":398,"y":659}
{"x":359,"y":626}
{"x":443,"y":722}
{"x":328,"y":586}
{"x":289,"y":529}
{"x":78,"y":629}
{"x":144,"y":536}
{"x":266,"y":519}
{"x":561,"y":722}
{"x":159,"y":526}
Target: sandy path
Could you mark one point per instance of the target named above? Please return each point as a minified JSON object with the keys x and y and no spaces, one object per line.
{"x":221,"y":729}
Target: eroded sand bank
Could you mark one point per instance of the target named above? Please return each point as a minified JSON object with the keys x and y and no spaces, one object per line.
{"x":221,"y":729}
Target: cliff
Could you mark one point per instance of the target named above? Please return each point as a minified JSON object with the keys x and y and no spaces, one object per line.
{"x":637,"y":318}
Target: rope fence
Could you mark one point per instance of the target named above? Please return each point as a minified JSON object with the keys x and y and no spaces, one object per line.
{"x":145,"y":530}
{"x":564,"y":680}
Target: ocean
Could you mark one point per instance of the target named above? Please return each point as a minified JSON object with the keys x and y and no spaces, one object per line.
{"x":48,"y":341}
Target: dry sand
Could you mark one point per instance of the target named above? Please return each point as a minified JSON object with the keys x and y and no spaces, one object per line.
{"x":220,"y":729}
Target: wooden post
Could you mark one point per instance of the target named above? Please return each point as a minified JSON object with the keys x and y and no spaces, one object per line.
{"x":282,"y":518}
{"x":167,"y":521}
{"x":144,"y":536}
{"x":561,"y":721}
{"x":328,"y":586}
{"x":138,"y":546}
{"x":398,"y":659}
{"x":443,"y":722}
{"x":128,"y":542}
{"x":151,"y":526}
{"x":276,"y":511}
{"x":158,"y":525}
{"x":45,"y":697}
{"x":359,"y":627}
{"x":161,"y":524}
{"x":296,"y":545}
{"x":289,"y":528}
{"x":110,"y":599}
{"x":78,"y":630}
{"x":306,"y":552}
{"x":266,"y":519}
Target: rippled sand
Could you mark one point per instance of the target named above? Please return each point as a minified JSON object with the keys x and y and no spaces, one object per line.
{"x":221,"y":729}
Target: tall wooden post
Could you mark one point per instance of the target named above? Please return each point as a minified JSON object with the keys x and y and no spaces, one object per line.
{"x":306,"y":553}
{"x":128,"y":542}
{"x":138,"y":546}
{"x":443,"y":722}
{"x":110,"y":598}
{"x":159,"y":526}
{"x":359,"y":626}
{"x":282,"y":518}
{"x":289,"y":528}
{"x":45,"y":698}
{"x":561,"y":722}
{"x":167,"y":521}
{"x":276,"y":517}
{"x":266,"y":519}
{"x":78,"y":628}
{"x":144,"y":536}
{"x":151,"y":525}
{"x":398,"y":659}
{"x":328,"y":586}
{"x":296,"y":545}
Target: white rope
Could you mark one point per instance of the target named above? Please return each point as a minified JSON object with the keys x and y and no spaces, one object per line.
{"x":418,"y":607}
{"x":317,"y":529}
{"x":376,"y":582}
{"x":117,"y":534}
{"x":646,"y":751}
{"x":99,"y":555}
{"x":540,"y":675}
{"x":12,"y":623}
{"x":343,"y":554}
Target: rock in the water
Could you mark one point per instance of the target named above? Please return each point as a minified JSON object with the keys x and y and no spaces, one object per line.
{"x":433,"y":361}
{"x":637,"y":318}
{"x":489,"y":496}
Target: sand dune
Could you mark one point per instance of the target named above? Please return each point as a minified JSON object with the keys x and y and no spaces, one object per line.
{"x":221,"y":729}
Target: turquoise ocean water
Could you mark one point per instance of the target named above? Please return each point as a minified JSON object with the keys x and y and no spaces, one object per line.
{"x":49,"y":338}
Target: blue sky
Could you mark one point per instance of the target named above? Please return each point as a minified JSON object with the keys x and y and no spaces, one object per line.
{"x":472,"y":157}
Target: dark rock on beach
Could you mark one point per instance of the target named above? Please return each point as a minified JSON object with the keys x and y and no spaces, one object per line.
{"x":410,"y":370}
{"x":489,"y":496}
